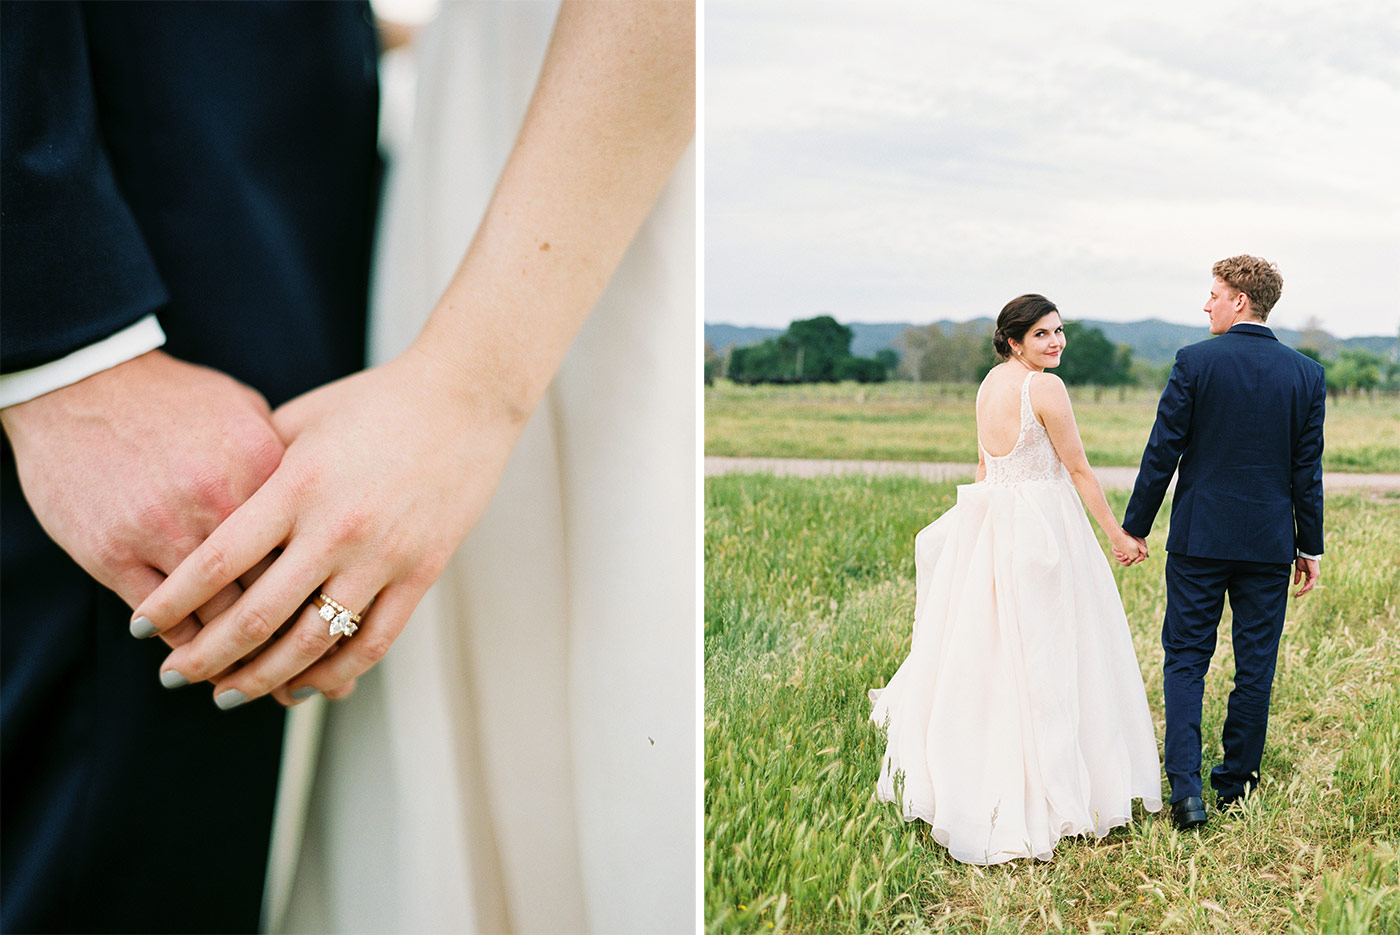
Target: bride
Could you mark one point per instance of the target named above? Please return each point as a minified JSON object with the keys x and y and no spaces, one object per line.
{"x":1019,"y":715}
{"x":523,"y":759}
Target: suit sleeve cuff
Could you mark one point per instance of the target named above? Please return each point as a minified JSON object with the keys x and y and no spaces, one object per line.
{"x":129,"y":343}
{"x":1302,"y":554}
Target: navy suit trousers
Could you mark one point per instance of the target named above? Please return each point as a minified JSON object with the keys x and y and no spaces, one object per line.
{"x":1196,"y":591}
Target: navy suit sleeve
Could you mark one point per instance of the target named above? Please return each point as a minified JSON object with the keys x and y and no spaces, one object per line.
{"x":1307,"y":476}
{"x":77,"y":267}
{"x":1164,"y":447}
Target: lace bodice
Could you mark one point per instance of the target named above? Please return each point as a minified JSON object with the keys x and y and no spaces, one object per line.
{"x":1033,"y":458}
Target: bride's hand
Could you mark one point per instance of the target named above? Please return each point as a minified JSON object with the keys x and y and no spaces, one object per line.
{"x":1127,"y":549}
{"x":384,"y":475}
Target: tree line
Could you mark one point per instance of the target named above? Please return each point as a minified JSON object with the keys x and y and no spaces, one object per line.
{"x":1356,"y":370}
{"x":818,"y":350}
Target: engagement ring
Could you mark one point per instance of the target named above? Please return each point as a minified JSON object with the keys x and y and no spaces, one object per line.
{"x":341,"y":619}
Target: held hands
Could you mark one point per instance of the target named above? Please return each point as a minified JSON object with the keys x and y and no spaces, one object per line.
{"x":1128,"y":549}
{"x":384,"y":475}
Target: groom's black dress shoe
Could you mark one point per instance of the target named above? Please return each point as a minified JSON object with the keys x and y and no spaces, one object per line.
{"x":1189,"y":813}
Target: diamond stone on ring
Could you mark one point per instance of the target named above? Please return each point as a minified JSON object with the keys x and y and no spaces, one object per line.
{"x":338,"y":616}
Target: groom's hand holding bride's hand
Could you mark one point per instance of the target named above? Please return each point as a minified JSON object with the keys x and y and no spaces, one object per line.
{"x":1128,"y":549}
{"x":384,"y":474}
{"x":1141,"y":549}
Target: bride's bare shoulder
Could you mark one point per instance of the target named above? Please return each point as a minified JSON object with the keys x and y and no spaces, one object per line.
{"x":1048,"y":394}
{"x":1047,"y":382}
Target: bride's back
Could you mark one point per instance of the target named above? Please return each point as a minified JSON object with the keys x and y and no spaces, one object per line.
{"x":999,"y":409}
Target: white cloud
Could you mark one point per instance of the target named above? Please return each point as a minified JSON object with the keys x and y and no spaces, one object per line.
{"x":918,"y":161}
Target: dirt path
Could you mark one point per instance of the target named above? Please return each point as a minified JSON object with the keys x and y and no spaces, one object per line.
{"x":1112,"y":477}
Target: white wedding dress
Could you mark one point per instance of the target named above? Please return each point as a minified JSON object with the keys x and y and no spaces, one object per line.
{"x":1019,"y":715}
{"x":524,"y":759}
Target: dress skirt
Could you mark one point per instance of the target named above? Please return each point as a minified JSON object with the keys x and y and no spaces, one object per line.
{"x":1019,"y":716}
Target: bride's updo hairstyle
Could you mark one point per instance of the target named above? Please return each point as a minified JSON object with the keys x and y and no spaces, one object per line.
{"x":1016,"y":319}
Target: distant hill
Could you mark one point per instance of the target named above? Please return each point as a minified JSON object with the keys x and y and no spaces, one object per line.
{"x":722,"y":337}
{"x":1152,"y":340}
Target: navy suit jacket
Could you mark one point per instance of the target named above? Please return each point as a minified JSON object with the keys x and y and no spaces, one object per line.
{"x":212,"y":163}
{"x":1241,"y":419}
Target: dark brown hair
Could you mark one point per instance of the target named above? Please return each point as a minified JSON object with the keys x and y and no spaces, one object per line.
{"x":1016,"y":319}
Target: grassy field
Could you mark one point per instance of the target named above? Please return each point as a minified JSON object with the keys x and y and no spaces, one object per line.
{"x":935,"y":422}
{"x":809,"y":600}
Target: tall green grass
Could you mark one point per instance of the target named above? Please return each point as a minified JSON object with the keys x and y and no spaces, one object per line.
{"x":808,"y":603}
{"x":935,"y":422}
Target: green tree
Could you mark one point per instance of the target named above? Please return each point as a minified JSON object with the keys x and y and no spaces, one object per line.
{"x":1355,"y":369}
{"x":818,"y":344}
{"x":810,"y":351}
{"x":768,"y":361}
{"x":1091,"y":358}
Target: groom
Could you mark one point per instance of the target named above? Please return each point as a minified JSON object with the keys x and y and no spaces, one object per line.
{"x":198,"y":177}
{"x":1241,"y":420}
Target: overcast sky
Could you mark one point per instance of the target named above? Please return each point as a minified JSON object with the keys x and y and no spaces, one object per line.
{"x":914,"y":161}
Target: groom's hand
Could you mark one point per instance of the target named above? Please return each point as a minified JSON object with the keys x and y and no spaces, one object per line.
{"x":1308,"y":571}
{"x":1127,"y":556}
{"x":130,"y":469}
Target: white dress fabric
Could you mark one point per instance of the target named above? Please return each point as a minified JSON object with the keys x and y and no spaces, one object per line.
{"x":1019,"y":716}
{"x":524,"y":758}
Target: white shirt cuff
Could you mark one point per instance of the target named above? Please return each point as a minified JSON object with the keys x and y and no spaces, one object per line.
{"x":128,"y":344}
{"x":1302,"y":554}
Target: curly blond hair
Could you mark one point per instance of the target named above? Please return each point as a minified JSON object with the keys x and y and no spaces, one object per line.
{"x":1256,"y":277}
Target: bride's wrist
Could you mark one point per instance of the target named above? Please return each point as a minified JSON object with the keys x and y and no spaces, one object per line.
{"x":483,"y":387}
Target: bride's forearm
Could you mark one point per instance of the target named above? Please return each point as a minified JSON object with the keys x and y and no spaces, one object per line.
{"x":612,"y":112}
{"x":1091,"y":493}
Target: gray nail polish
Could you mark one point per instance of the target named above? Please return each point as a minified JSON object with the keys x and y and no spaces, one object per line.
{"x":306,"y":691}
{"x":230,"y":699}
{"x":142,"y":629}
{"x":172,"y":679}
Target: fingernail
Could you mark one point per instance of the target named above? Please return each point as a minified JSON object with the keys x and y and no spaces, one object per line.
{"x":230,"y":699}
{"x":172,"y":679}
{"x":142,"y":629}
{"x":306,"y":691}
